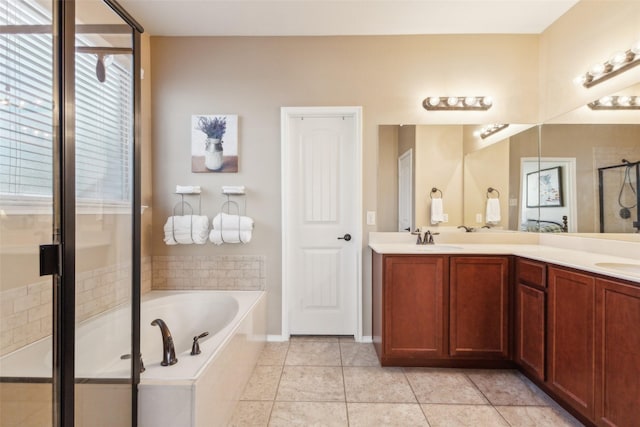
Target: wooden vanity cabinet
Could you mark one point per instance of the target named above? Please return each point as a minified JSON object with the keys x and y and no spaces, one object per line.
{"x":439,"y":310}
{"x":408,"y":308}
{"x":479,"y":307}
{"x":570,"y":344}
{"x":529,"y":318}
{"x":617,"y":360}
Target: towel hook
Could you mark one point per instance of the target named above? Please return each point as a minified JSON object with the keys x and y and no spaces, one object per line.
{"x":491,"y":190}
{"x":435,"y":190}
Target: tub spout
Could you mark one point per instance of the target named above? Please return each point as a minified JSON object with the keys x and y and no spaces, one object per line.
{"x":168,"y":350}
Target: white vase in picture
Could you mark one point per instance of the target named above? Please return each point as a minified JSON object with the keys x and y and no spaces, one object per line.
{"x":213,"y":154}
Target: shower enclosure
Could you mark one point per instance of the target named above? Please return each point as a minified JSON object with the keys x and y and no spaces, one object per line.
{"x":69,"y":210}
{"x":619,"y":197}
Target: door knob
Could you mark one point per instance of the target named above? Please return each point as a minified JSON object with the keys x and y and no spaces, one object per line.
{"x":346,"y":237}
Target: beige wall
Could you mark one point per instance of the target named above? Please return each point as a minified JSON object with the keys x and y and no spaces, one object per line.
{"x":254,"y":77}
{"x":524,"y":144}
{"x":589,"y":33}
{"x":387,"y":76}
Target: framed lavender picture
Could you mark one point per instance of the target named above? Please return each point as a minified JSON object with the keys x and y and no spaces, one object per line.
{"x":544,"y":188}
{"x":214,"y":143}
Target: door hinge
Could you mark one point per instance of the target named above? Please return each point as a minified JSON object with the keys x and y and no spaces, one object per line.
{"x":49,"y":259}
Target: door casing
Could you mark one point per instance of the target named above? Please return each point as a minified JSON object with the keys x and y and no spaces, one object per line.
{"x":286,"y":115}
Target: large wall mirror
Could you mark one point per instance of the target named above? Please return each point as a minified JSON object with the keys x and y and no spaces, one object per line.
{"x":465,"y":171}
{"x":603,"y":149}
{"x":575,"y":173}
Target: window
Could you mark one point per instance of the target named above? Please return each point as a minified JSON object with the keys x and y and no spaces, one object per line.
{"x":104,"y":114}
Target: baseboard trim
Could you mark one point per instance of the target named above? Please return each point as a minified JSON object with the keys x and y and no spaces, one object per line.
{"x":277,"y":338}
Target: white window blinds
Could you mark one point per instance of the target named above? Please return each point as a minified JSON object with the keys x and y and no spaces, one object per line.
{"x":104,"y":115}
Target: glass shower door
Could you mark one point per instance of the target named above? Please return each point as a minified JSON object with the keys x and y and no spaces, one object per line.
{"x":104,"y":131}
{"x":26,"y":212}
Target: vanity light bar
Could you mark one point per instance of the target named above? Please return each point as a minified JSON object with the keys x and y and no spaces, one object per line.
{"x":489,"y":130}
{"x":618,"y":63}
{"x":457,"y":103}
{"x":616,"y":103}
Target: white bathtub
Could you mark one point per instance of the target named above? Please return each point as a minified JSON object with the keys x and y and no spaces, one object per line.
{"x":199,"y":390}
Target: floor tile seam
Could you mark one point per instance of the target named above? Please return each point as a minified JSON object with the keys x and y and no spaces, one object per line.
{"x":455,"y":404}
{"x":344,"y":388}
{"x":478,"y":388}
{"x":273,"y":403}
{"x":314,"y":366}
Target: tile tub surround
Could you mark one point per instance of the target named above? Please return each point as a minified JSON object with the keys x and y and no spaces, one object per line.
{"x":25,"y":312}
{"x":287,"y":388}
{"x":219,"y":272}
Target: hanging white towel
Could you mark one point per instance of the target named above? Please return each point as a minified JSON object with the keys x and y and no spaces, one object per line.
{"x":219,"y":237}
{"x":186,"y":229}
{"x":224,"y":221}
{"x":188,"y":189}
{"x":437,"y":211}
{"x":492,"y":215}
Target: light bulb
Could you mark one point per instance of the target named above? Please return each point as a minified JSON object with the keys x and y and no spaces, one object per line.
{"x":623,"y":100}
{"x":433,"y":100}
{"x":487,"y":101}
{"x":605,"y":100}
{"x":452,"y":101}
{"x":478,"y":133}
{"x":597,"y":69}
{"x":635,"y":48}
{"x":618,"y":58}
{"x":580,"y":80}
{"x":470,"y":101}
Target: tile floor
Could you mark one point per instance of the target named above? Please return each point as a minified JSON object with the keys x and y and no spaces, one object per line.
{"x":334,"y":381}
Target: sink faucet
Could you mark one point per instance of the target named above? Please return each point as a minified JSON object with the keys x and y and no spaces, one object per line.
{"x":168,"y":350}
{"x":428,"y":238}
{"x":467,"y":229}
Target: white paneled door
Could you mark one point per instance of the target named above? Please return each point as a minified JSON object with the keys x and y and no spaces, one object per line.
{"x":322,"y":207}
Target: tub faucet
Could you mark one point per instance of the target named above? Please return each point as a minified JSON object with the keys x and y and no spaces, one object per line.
{"x":467,"y":229}
{"x":168,"y":350}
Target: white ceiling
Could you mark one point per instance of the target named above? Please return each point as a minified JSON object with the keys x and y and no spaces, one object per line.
{"x":344,"y":17}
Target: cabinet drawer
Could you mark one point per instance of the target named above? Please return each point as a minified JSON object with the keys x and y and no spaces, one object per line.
{"x":531,"y":273}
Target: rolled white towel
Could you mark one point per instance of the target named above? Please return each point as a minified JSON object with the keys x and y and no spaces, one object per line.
{"x":437,"y":211}
{"x":224,"y":221}
{"x":492,"y":215}
{"x":186,"y":229}
{"x":188,"y":189}
{"x":218,"y":237}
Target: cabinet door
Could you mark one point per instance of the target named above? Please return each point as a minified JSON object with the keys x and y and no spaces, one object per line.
{"x":571,"y":338}
{"x":617,"y":354}
{"x":413,"y":306}
{"x":479,"y":307}
{"x":530,"y":330}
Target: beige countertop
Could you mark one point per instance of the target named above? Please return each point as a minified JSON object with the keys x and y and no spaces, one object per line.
{"x":627,"y":268}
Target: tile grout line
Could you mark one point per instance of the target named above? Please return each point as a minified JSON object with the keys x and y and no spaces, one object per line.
{"x":487,"y":398}
{"x":344,"y":384}
{"x":404,"y":372}
{"x":275,"y":396}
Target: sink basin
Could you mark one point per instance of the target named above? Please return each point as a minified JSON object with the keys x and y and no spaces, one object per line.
{"x":620,"y":266}
{"x":436,"y":248}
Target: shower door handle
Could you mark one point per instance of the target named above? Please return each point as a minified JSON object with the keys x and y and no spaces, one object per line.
{"x":49,"y":259}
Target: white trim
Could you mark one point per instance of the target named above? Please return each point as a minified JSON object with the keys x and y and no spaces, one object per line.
{"x":366,"y":339}
{"x":408,"y":153}
{"x":277,"y":338}
{"x":286,"y":114}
